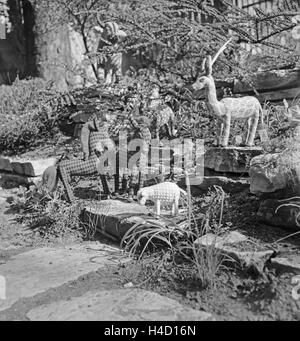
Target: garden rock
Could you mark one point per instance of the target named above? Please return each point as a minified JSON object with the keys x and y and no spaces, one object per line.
{"x":230,"y":159}
{"x":117,"y":305}
{"x":5,"y":165}
{"x":232,"y":247}
{"x":32,"y":168}
{"x":229,"y":185}
{"x":285,"y":217}
{"x":10,"y":181}
{"x":275,"y":172}
{"x":287,"y":264}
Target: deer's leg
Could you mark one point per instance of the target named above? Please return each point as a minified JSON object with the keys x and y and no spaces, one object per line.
{"x":226,"y":131}
{"x":220,"y":128}
{"x":252,"y":129}
{"x":157,"y":207}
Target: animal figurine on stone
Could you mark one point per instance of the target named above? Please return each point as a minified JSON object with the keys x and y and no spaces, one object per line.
{"x":227,"y":109}
{"x":163,"y":193}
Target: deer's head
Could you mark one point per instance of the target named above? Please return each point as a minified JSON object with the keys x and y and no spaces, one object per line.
{"x":205,"y":77}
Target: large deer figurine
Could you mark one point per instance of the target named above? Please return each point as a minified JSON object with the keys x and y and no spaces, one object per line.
{"x":228,"y":108}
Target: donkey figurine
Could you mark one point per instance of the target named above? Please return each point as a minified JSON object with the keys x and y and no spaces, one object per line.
{"x":228,"y":108}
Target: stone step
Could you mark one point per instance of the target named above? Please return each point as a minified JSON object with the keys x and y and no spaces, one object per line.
{"x":117,"y":305}
{"x":230,"y":159}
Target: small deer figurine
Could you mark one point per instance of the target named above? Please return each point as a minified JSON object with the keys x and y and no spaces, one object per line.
{"x":228,"y":108}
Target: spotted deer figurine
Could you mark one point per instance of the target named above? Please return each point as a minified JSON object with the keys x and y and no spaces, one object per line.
{"x":244,"y":108}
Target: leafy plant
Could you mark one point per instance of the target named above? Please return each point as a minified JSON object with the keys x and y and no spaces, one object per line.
{"x":26,"y":114}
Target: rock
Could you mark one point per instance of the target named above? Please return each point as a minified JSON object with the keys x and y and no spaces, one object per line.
{"x":229,"y":185}
{"x":39,"y":270}
{"x":230,"y":159}
{"x":232,"y":247}
{"x":117,"y":305}
{"x":9,"y":181}
{"x":285,"y":217}
{"x":275,"y":172}
{"x":5,"y":165}
{"x":32,"y":168}
{"x":113,"y":217}
{"x":211,"y":239}
{"x":287,"y":264}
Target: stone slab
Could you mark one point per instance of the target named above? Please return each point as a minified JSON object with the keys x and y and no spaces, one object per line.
{"x":114,"y":217}
{"x":34,"y":272}
{"x":5,"y":165}
{"x":230,"y":159}
{"x":229,"y":185}
{"x":228,"y":246}
{"x":32,"y":168}
{"x":117,"y":305}
{"x":287,"y":264}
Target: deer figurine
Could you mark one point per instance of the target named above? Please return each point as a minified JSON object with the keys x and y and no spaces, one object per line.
{"x":228,"y":108}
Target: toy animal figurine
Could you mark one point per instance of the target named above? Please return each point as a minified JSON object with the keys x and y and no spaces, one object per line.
{"x":228,"y":108}
{"x":160,"y":113}
{"x":166,"y":192}
{"x":94,"y":140}
{"x":111,"y":36}
{"x":142,"y":123}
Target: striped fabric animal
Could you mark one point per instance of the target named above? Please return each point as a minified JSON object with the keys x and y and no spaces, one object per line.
{"x":166,"y":193}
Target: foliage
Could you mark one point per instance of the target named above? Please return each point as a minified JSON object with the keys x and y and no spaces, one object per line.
{"x":171,"y":36}
{"x":27,"y":114}
{"x":51,"y":217}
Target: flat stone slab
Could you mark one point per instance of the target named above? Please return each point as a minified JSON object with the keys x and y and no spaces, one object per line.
{"x":230,"y":159}
{"x":113,"y":217}
{"x":34,"y":272}
{"x":32,"y":168}
{"x":117,"y":305}
{"x":287,"y":264}
{"x":229,"y":185}
{"x":234,"y":248}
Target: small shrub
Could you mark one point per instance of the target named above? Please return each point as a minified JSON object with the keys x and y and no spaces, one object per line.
{"x":25,"y":113}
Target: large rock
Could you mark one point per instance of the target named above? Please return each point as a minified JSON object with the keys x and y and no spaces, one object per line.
{"x":32,"y":167}
{"x":117,"y":305}
{"x":230,"y":159}
{"x":286,"y":216}
{"x":5,"y":165}
{"x":275,"y":172}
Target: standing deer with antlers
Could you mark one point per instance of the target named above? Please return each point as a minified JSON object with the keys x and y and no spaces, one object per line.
{"x":228,"y":108}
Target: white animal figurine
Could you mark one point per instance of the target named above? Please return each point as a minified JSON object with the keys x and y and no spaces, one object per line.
{"x":243,"y":108}
{"x":166,"y":192}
